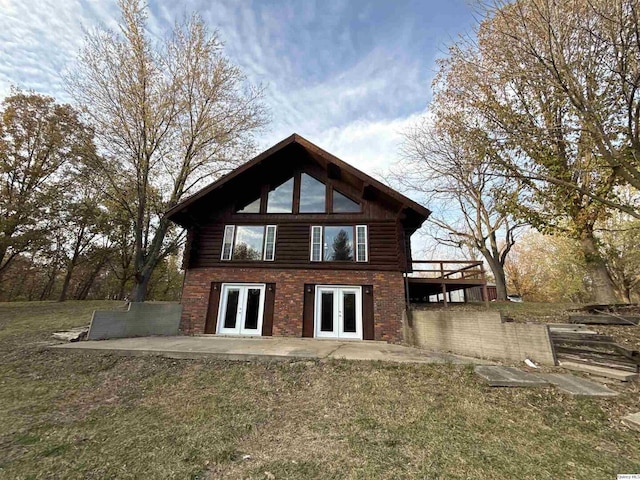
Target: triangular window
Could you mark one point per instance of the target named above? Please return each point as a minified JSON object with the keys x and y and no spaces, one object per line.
{"x":253,"y":207}
{"x":280,"y":199}
{"x":312,"y":195}
{"x":343,"y":204}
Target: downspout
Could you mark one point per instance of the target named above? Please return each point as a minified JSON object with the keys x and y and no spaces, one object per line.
{"x":406,"y":280}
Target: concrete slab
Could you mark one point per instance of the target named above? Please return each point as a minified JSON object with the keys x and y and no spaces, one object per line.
{"x":578,"y":386}
{"x":498,"y":376}
{"x":396,"y":353}
{"x":632,"y":421}
{"x":262,"y":348}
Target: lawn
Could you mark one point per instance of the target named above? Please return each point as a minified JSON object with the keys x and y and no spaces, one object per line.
{"x":69,"y":415}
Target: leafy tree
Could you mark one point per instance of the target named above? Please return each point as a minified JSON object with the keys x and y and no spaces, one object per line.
{"x":244,"y":251}
{"x":549,"y":83}
{"x":39,"y":140}
{"x":168,"y":115}
{"x":84,"y":221}
{"x":544,"y":268}
{"x":619,"y":238}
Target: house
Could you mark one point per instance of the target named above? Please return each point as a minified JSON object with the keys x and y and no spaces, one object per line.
{"x":297,"y":242}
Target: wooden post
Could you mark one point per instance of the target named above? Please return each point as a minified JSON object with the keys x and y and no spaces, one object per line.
{"x":485,"y":292}
{"x":444,"y":294}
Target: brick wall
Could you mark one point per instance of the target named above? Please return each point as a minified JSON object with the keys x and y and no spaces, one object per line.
{"x":480,"y":334}
{"x":388,"y":296}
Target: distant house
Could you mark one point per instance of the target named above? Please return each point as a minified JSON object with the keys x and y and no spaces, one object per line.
{"x":297,"y":242}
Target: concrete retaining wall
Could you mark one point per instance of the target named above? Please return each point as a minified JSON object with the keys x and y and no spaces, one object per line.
{"x":479,"y":334}
{"x":140,"y":320}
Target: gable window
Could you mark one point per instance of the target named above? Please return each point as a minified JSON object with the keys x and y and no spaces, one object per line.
{"x":249,"y":243}
{"x":343,"y":204}
{"x":280,"y":199}
{"x":339,"y":243}
{"x":253,"y":207}
{"x":312,"y":195}
{"x":301,"y":193}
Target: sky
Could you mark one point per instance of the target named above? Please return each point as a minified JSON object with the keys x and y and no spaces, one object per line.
{"x":348,"y":75}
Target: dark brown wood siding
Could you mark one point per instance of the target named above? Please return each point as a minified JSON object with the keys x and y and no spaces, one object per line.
{"x":293,"y":244}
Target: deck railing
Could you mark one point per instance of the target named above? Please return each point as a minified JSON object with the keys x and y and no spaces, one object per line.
{"x":443,"y":270}
{"x":449,"y":269}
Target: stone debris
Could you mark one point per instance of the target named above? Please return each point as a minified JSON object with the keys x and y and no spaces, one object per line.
{"x":74,"y":335}
{"x":632,"y":421}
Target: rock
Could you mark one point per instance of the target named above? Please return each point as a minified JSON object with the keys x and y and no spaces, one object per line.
{"x":73,"y":335}
{"x":632,"y":421}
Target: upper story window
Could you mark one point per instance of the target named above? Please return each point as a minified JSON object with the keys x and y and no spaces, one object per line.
{"x":339,"y":243}
{"x":249,"y":242}
{"x":280,"y":199}
{"x":302,"y":193}
{"x":253,"y":207}
{"x":343,"y":204}
{"x":312,"y":195}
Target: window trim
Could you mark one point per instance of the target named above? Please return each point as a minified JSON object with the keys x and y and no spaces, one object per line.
{"x":355,"y":244}
{"x":274,"y":229}
{"x":319,"y":227}
{"x":228,"y":230}
{"x":365,"y":244}
{"x":232,"y":230}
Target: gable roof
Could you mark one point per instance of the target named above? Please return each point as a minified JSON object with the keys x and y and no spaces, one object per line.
{"x":414,"y":209}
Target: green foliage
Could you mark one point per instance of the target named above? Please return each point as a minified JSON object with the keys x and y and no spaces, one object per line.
{"x":40,"y":142}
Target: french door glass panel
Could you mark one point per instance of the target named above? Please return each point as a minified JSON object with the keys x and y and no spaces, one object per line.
{"x":326,"y":314}
{"x":241,"y":309}
{"x":253,"y":308}
{"x":231,"y":312}
{"x":338,"y":312}
{"x":349,"y":313}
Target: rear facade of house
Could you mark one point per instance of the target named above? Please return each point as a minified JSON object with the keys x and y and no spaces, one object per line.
{"x":297,"y":243}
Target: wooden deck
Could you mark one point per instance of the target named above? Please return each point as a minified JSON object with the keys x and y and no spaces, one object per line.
{"x":434,"y":277}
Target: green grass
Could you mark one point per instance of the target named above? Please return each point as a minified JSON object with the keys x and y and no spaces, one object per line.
{"x":69,"y":415}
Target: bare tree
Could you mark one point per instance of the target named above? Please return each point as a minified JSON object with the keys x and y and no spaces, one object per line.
{"x":168,"y":116}
{"x":448,"y":162}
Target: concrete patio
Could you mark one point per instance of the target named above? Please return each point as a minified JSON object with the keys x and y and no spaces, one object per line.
{"x":262,"y":348}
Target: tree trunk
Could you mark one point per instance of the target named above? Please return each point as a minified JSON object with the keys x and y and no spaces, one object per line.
{"x":122,"y":286}
{"x":603,"y":287}
{"x":141,"y":282}
{"x":497,"y":269}
{"x":65,"y":284}
{"x":86,"y":286}
{"x":48,"y":288}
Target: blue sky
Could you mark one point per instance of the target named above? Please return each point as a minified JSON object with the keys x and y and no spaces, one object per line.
{"x":349,"y":76}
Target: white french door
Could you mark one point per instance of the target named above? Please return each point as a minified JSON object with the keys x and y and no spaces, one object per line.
{"x":241,"y":309}
{"x":338,"y":312}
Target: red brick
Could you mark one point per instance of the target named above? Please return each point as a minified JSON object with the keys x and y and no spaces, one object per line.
{"x":388,"y":296}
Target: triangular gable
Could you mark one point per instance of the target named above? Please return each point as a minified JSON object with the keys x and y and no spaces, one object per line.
{"x":415,"y":212}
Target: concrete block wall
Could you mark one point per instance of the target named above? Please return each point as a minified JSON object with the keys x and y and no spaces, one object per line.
{"x":138,"y":320}
{"x":479,"y":334}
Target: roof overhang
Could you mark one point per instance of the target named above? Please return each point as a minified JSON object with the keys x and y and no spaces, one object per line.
{"x":412,"y":213}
